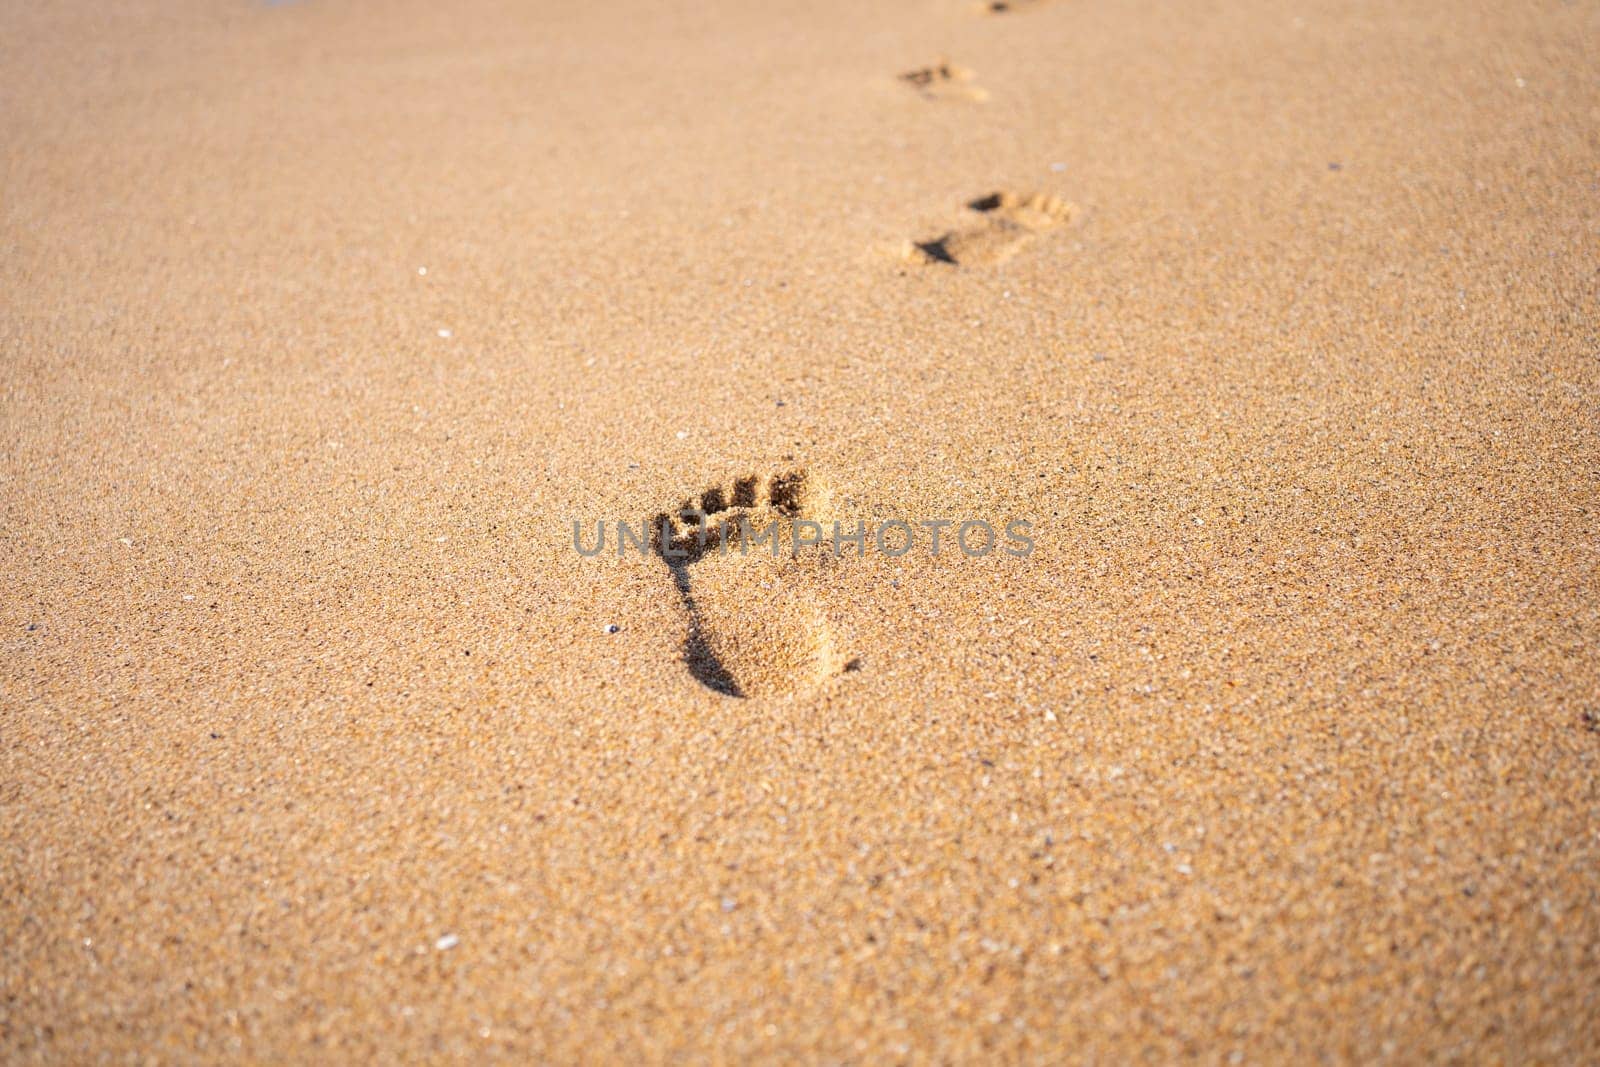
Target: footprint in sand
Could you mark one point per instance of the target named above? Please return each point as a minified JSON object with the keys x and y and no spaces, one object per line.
{"x":944,"y":81}
{"x":753,"y":600}
{"x":1010,"y":222}
{"x":1007,"y":7}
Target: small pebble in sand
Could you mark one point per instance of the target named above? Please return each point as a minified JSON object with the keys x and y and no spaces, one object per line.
{"x":422,"y":272}
{"x":612,"y":627}
{"x":444,"y":333}
{"x":447,"y":942}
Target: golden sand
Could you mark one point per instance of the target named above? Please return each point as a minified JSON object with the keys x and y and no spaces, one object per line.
{"x":323,"y":321}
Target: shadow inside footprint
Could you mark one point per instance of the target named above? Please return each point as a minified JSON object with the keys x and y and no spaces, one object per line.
{"x":936,"y":251}
{"x":704,"y":665}
{"x":755,"y":626}
{"x":698,"y":655}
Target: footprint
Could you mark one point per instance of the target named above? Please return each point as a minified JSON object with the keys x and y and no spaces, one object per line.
{"x":755,"y":622}
{"x":1011,"y":221}
{"x":1007,"y":7}
{"x":944,"y":81}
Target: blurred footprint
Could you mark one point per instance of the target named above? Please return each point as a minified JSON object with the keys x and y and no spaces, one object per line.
{"x":1010,"y":222}
{"x":944,"y":81}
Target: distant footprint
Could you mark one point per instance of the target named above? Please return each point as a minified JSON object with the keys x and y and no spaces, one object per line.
{"x":755,"y":624}
{"x":1010,"y":222}
{"x":944,"y":81}
{"x":1007,"y":7}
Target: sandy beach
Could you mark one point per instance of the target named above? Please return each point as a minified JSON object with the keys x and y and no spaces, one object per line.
{"x":1270,"y":327}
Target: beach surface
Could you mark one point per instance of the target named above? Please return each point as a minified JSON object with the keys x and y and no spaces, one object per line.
{"x":323,"y":322}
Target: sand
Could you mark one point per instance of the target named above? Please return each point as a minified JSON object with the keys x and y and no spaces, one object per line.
{"x":322,"y":323}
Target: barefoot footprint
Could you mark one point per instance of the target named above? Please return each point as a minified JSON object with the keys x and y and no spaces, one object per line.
{"x":944,"y":81}
{"x":753,"y":600}
{"x":1011,"y":221}
{"x":1006,"y":7}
